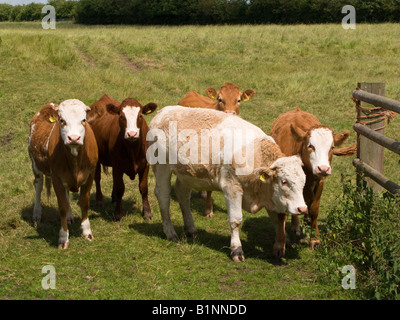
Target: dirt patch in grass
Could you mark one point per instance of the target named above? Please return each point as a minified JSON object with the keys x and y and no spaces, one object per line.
{"x":133,"y":66}
{"x":5,"y":140}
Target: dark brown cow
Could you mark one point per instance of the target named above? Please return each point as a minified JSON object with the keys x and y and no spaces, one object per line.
{"x":299,"y":132}
{"x":120,"y":131}
{"x":62,"y":146}
{"x":227,"y":99}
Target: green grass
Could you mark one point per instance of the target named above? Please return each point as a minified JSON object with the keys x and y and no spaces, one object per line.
{"x":314,"y":67}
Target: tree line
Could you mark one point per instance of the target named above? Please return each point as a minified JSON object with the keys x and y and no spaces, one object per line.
{"x":180,"y":12}
{"x":65,"y":9}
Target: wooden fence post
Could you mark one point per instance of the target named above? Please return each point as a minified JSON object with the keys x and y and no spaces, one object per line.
{"x":368,"y":151}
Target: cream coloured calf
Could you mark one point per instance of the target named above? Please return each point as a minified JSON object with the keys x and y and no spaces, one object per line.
{"x":241,"y":161}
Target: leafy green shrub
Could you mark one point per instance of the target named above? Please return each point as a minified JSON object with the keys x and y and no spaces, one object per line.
{"x":363,"y":230}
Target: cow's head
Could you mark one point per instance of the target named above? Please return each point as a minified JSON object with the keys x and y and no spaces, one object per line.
{"x":317,"y":148}
{"x":229,"y":97}
{"x":288,"y":180}
{"x":130,"y":113}
{"x":72,"y":117}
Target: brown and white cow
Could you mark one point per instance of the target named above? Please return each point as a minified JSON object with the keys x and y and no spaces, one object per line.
{"x":241,"y":161}
{"x":299,"y":132}
{"x":62,"y":146}
{"x":120,"y":130}
{"x":228,"y":100}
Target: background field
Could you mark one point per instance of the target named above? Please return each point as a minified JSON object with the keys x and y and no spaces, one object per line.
{"x":313,"y":67}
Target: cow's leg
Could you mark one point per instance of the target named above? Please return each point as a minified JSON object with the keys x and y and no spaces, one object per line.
{"x":70,"y":217}
{"x":97,"y":178}
{"x":63,"y":206}
{"x":314,"y":212}
{"x":38,"y":183}
{"x":295,"y":227}
{"x":118,"y":192}
{"x":144,"y":190}
{"x":84,"y":202}
{"x":162,"y":191}
{"x":209,"y":206}
{"x":279,"y":221}
{"x":183,"y":195}
{"x":235,"y":218}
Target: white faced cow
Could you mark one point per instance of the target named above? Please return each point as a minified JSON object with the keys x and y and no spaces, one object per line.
{"x":299,"y":132}
{"x":62,"y":147}
{"x":241,"y":161}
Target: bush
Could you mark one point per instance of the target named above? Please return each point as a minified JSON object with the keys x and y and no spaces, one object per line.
{"x":364,"y":231}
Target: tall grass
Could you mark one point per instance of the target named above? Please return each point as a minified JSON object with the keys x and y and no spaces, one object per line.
{"x":311,"y":67}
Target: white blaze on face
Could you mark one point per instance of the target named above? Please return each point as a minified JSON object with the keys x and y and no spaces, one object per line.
{"x":131,"y":115}
{"x":288,"y":189}
{"x":72,"y":118}
{"x":321,"y":141}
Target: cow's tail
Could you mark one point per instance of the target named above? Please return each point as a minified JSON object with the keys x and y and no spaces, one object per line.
{"x":345,"y":151}
{"x":47,"y":182}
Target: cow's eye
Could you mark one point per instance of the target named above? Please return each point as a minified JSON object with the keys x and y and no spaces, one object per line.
{"x":84,"y":121}
{"x":238,"y":100}
{"x":285,"y":182}
{"x":62,"y":122}
{"x":219,"y":99}
{"x":310,"y":146}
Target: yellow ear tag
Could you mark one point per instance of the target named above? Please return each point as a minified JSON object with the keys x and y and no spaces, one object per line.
{"x":52,"y":119}
{"x":262,"y":177}
{"x":148,"y":111}
{"x":246,"y":98}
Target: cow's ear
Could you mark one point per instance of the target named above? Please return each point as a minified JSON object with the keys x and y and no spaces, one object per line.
{"x":247,"y":95}
{"x":112,"y":108}
{"x":265,"y":173}
{"x":212,"y":93}
{"x":149,"y":108}
{"x":297,"y":133}
{"x":339,"y":138}
{"x":54,"y":106}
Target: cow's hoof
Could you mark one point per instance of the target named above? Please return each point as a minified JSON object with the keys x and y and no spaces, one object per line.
{"x":173,"y":238}
{"x":63,"y":245}
{"x":192,"y":232}
{"x":89,"y":237}
{"x":147,"y":216}
{"x":209,"y":214}
{"x":279,"y":250}
{"x":237,"y":255}
{"x":314,"y":244}
{"x":118,"y":217}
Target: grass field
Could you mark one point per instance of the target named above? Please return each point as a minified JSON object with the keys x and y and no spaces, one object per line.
{"x":313,"y":67}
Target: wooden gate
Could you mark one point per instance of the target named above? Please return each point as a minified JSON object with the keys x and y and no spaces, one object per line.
{"x":371,"y":140}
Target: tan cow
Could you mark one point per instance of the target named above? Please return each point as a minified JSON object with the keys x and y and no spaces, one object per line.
{"x":228,"y":100}
{"x":241,"y":161}
{"x":62,"y":146}
{"x":299,"y":132}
